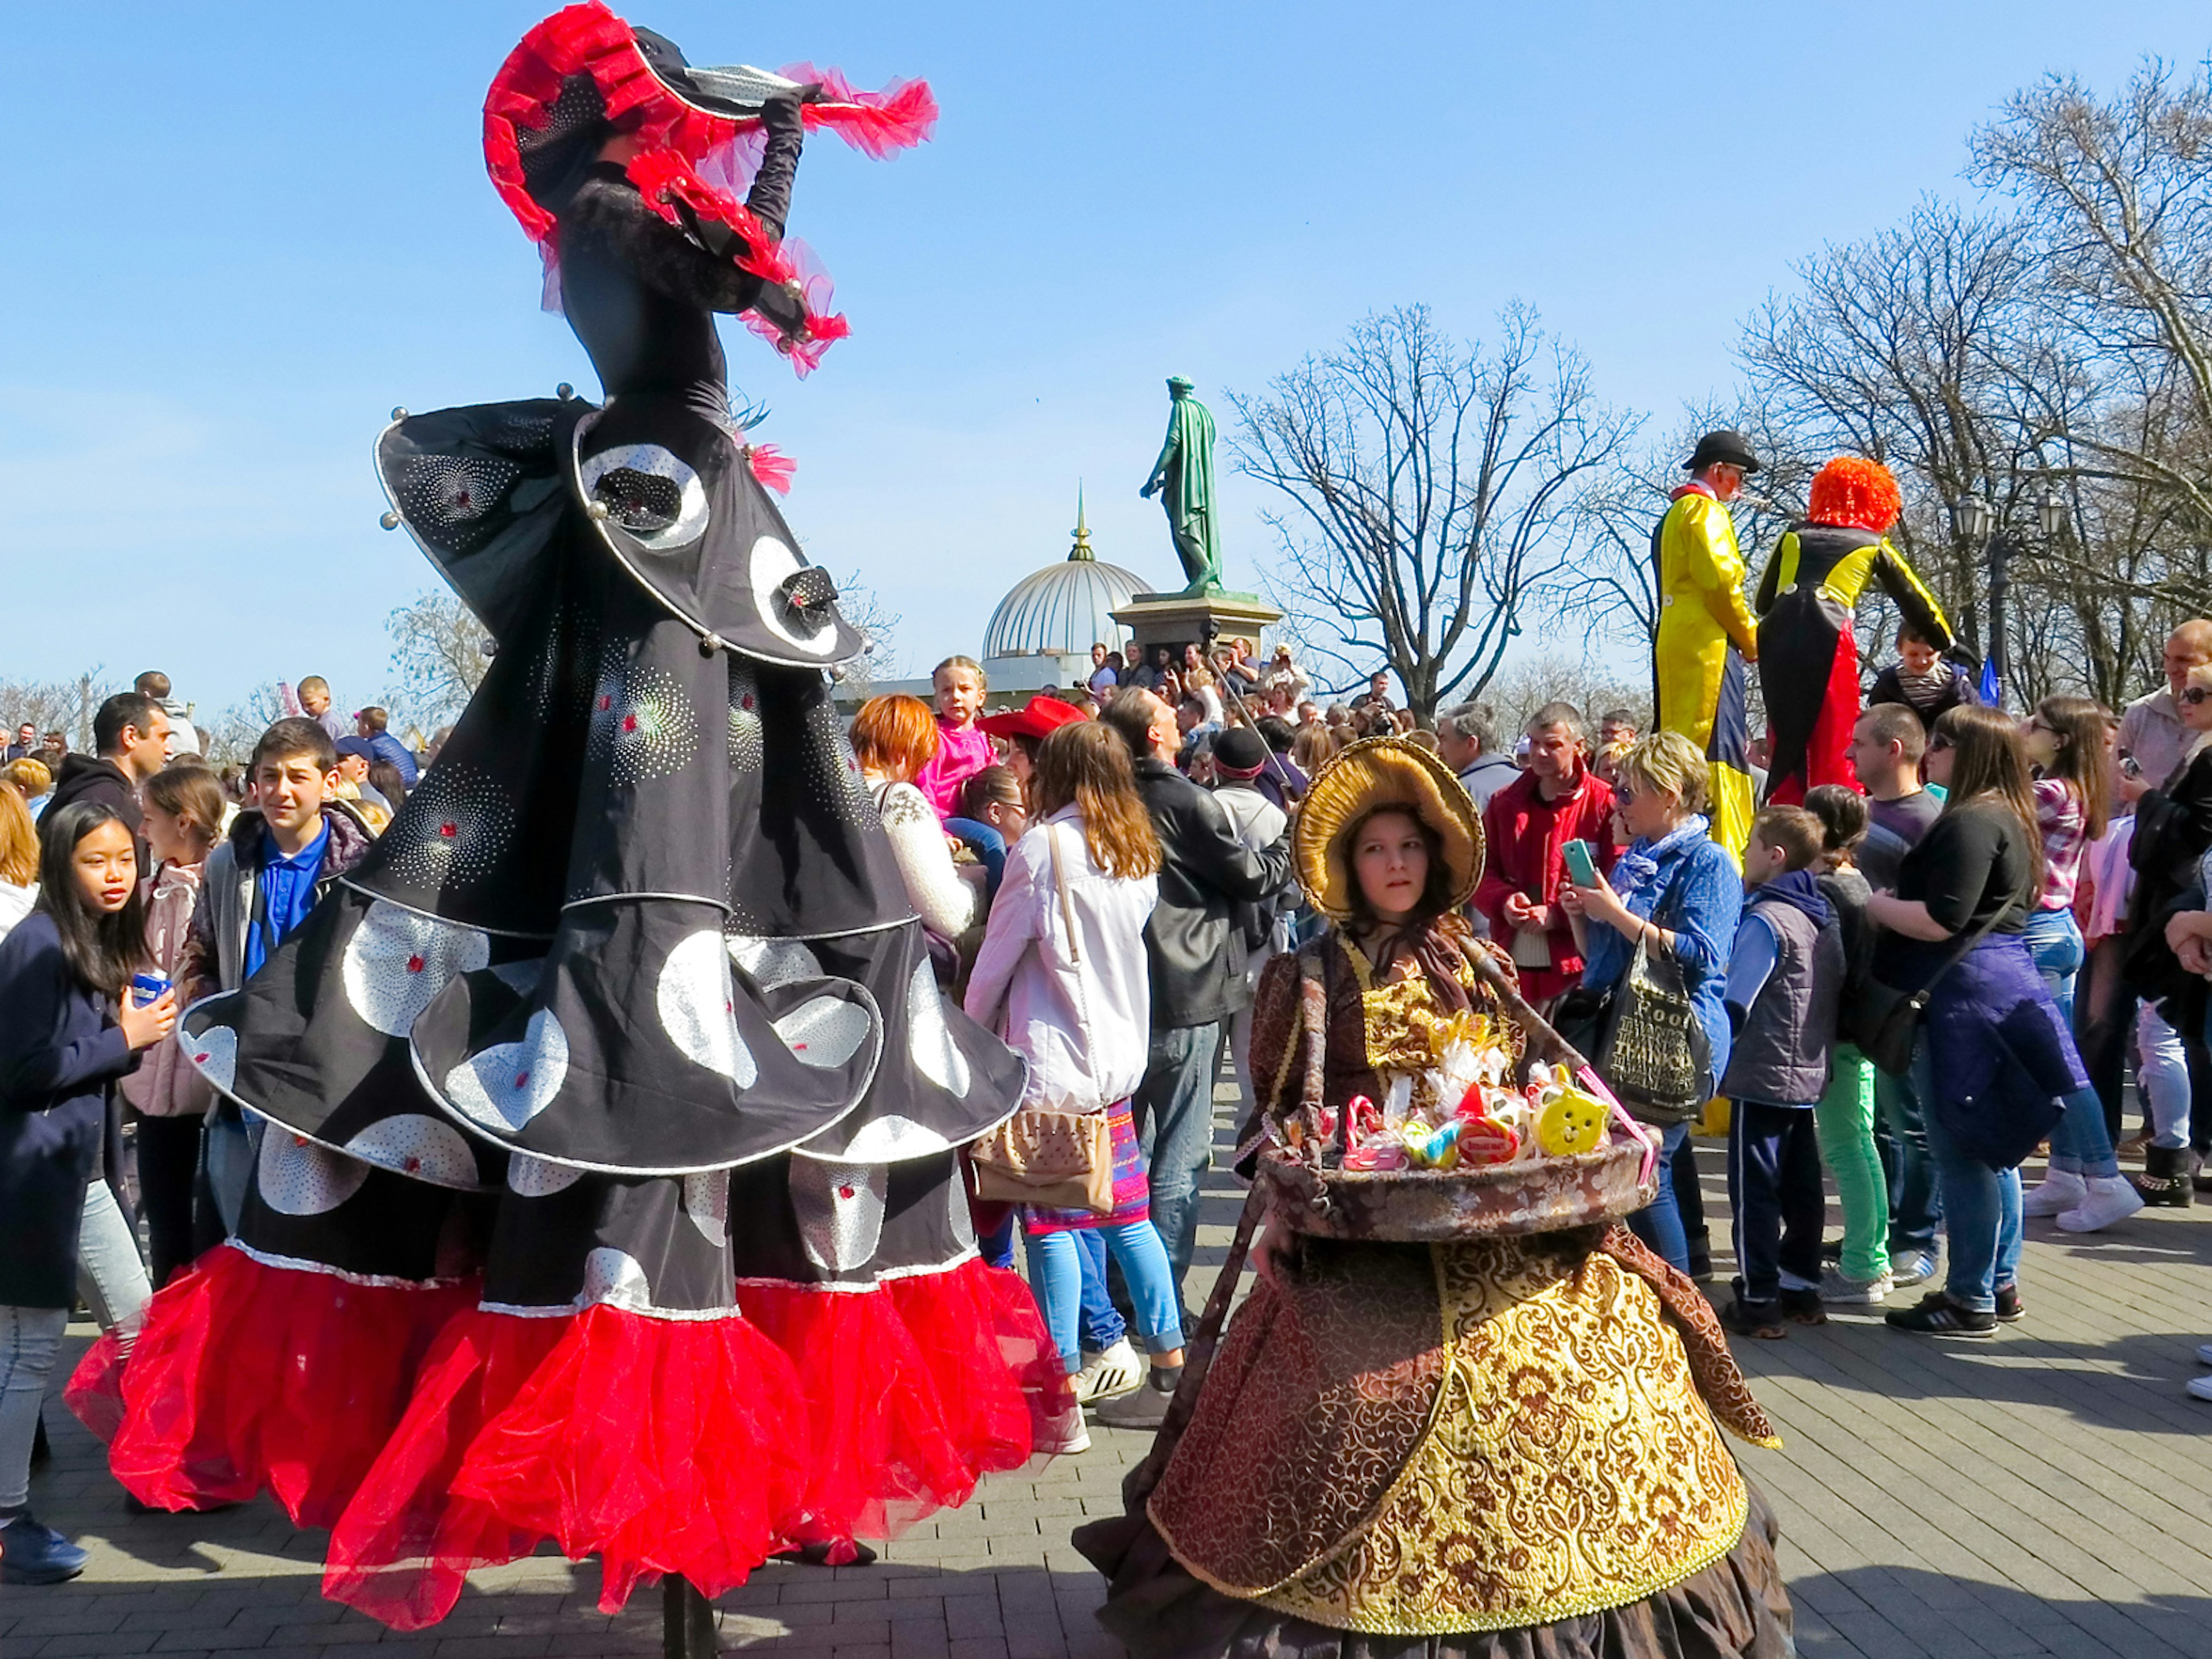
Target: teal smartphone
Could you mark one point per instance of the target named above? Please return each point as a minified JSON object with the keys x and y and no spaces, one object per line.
{"x":1581,"y":868}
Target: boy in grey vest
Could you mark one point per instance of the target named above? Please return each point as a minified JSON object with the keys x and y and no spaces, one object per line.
{"x":1785,"y":976}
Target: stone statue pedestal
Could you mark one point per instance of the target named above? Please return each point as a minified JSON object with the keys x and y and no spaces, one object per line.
{"x":1175,"y":620}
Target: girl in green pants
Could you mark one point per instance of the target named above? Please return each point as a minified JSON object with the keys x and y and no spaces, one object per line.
{"x":1843,"y":1120}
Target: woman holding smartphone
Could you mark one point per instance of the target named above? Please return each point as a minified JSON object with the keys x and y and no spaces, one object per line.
{"x":72,"y":1030}
{"x":1673,"y":890}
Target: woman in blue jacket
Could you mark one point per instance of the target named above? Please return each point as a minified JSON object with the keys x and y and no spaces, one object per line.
{"x":1675,"y":889}
{"x":70,"y":1031}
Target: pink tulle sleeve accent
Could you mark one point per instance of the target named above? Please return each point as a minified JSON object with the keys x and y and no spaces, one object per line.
{"x":901,"y":116}
{"x":772,"y":467}
{"x":666,"y":180}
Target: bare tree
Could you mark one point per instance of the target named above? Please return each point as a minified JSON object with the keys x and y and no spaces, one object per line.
{"x":2120,"y":193}
{"x":1612,"y":590}
{"x":233,"y":733}
{"x":1431,"y":490}
{"x":864,"y":608}
{"x":440,"y":652}
{"x":1593,"y":683}
{"x":65,"y":706}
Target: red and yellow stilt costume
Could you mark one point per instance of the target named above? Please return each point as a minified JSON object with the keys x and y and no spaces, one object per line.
{"x":1808,"y":657}
{"x":1705,"y":637}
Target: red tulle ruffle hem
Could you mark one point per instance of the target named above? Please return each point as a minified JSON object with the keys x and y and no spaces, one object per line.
{"x":917,"y":1389}
{"x":249,"y":1376}
{"x":660,"y":1445}
{"x":94,"y":1391}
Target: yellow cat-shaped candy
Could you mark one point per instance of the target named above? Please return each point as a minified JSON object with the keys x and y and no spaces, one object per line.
{"x":1571,"y":1123}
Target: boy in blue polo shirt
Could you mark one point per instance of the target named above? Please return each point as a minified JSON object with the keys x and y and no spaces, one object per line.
{"x":282,"y":854}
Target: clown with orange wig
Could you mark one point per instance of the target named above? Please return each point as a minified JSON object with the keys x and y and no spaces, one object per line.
{"x":1808,"y":658}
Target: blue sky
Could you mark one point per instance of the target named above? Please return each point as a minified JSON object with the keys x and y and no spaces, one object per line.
{"x":239,"y":234}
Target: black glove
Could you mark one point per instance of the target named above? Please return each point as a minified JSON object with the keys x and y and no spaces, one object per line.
{"x":781,"y":112}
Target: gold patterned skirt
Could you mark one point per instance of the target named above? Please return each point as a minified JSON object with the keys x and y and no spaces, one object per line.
{"x":1442,"y":1449}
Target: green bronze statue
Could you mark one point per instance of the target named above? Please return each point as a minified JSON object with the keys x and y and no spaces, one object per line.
{"x":1183,"y":476}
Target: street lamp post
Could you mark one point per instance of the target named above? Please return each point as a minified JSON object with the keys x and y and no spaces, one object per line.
{"x":1971,"y":517}
{"x":1975,"y":522}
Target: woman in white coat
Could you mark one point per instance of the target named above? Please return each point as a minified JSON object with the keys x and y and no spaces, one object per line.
{"x":1061,"y":977}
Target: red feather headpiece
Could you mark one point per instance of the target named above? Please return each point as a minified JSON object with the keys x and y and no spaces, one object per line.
{"x":1855,"y":493}
{"x":582,"y":70}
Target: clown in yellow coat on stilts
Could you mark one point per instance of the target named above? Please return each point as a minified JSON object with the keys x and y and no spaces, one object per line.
{"x":1706,"y":635}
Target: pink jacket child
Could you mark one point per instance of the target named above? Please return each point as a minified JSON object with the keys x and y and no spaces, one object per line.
{"x":166,"y":1084}
{"x":963,"y":747}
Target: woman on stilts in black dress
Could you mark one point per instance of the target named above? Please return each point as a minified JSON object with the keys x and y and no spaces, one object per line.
{"x":637,"y":928}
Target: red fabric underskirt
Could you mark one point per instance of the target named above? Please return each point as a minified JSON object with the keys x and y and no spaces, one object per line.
{"x":249,"y":1377}
{"x":917,"y":1389}
{"x":660,"y":1445}
{"x":1827,"y":751}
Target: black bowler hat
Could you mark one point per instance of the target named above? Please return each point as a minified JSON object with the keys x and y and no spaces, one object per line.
{"x":1721,"y":445}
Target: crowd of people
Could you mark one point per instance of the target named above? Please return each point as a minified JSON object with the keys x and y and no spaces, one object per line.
{"x":135,"y":879}
{"x":1103,"y":872}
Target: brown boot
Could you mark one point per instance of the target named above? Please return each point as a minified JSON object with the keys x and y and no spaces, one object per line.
{"x":2165,"y":1181}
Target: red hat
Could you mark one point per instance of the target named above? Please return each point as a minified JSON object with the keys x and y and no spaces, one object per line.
{"x":1041,"y":719}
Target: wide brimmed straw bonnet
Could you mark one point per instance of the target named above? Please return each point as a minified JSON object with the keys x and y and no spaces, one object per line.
{"x":1382,"y":772}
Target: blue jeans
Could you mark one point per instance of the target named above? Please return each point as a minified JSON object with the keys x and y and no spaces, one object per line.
{"x":1102,"y":1323}
{"x":2081,"y":1142}
{"x":30,"y":1339}
{"x":1981,"y":1211}
{"x":1057,"y":1277}
{"x":2054,"y":943}
{"x":989,"y":848}
{"x":1174,"y":1110}
{"x":1659,"y":1223}
{"x":1914,"y":1202}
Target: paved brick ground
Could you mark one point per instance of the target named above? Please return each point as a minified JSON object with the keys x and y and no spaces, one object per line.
{"x":2041,"y":1494}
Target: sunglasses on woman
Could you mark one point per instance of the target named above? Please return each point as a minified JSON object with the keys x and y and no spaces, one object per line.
{"x":2195,"y":695}
{"x":1937,"y":742}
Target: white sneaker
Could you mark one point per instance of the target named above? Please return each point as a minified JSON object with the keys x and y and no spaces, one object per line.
{"x":2111,"y":1198}
{"x":1839,"y":1287}
{"x":2200,"y":1388}
{"x":2205,"y":1353}
{"x":1117,"y":1370}
{"x":2059,"y":1191}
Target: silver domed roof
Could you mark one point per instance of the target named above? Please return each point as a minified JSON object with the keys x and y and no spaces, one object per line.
{"x":1063,"y":609}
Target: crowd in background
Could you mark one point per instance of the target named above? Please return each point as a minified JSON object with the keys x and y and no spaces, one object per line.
{"x":1103,"y":870}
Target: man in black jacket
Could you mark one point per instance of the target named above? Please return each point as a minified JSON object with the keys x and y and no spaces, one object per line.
{"x":131,"y":732}
{"x":1205,"y":874}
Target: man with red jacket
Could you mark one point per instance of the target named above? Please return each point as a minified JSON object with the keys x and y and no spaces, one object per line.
{"x":1526,"y":825}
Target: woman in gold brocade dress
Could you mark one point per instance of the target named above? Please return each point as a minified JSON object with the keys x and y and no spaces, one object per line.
{"x":1501,"y":1448}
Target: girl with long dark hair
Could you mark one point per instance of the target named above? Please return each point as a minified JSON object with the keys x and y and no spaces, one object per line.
{"x":72,"y":1030}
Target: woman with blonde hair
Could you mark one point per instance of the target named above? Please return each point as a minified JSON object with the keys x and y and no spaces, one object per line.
{"x":1673,"y":890}
{"x":1062,"y":977}
{"x":895,"y":738}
